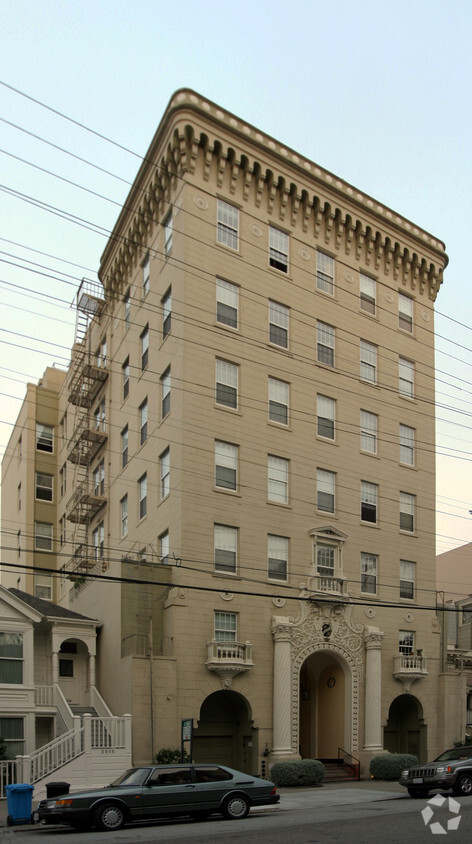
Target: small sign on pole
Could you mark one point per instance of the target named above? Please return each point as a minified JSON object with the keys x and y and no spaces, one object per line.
{"x":186,"y":735}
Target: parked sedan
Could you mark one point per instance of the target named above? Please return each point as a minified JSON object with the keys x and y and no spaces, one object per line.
{"x":160,"y":791}
{"x":451,"y":770}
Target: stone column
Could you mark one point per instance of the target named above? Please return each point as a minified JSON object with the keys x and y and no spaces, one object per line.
{"x":282,"y":745}
{"x":373,"y":688}
{"x":91,"y":670}
{"x":55,"y":667}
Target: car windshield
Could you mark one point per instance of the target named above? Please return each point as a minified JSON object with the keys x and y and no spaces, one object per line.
{"x":134,"y":776}
{"x":454,"y":754}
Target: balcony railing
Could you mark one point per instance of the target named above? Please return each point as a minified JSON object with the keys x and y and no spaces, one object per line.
{"x":87,"y":500}
{"x":86,"y":442}
{"x":408,"y":668}
{"x":327,"y":585}
{"x":227,"y":659}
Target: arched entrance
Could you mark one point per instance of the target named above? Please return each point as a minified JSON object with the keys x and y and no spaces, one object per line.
{"x":225,"y":732}
{"x":73,"y":671}
{"x":405,"y":731}
{"x":324,"y":721}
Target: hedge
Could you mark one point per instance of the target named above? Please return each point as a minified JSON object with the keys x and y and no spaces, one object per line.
{"x":298,"y":772}
{"x":389,"y":766}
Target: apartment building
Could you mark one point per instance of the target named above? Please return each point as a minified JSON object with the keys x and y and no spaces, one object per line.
{"x":250,"y":458}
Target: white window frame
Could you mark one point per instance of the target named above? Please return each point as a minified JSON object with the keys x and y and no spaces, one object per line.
{"x":165,"y":393}
{"x":146,"y":274}
{"x":98,"y":541}
{"x":126,"y":310}
{"x":367,"y":294}
{"x":406,"y":378}
{"x":325,"y":559}
{"x":325,"y":343}
{"x":11,"y":655}
{"x":369,"y":573}
{"x":164,"y":470}
{"x":279,"y":397}
{"x":143,"y":421}
{"x":325,"y":491}
{"x":407,"y":511}
{"x":226,"y":390}
{"x":142,"y":496}
{"x":99,"y":479}
{"x":144,"y":337}
{"x":278,"y":249}
{"x":227,"y":225}
{"x":278,"y":474}
{"x":44,"y":438}
{"x":405,"y":313}
{"x":369,"y":431}
{"x":325,"y":273}
{"x":325,"y":417}
{"x":166,"y":313}
{"x":124,"y":516}
{"x":168,"y":227}
{"x":227,"y":303}
{"x":407,"y":445}
{"x":368,"y":362}
{"x":125,"y":371}
{"x":407,"y":580}
{"x":43,"y":536}
{"x":369,"y":502}
{"x":277,"y":557}
{"x":225,"y":626}
{"x":226,"y":465}
{"x":124,"y":446}
{"x":406,"y":642}
{"x":164,"y":547}
{"x":226,"y":549}
{"x":44,"y":487}
{"x":278,"y":324}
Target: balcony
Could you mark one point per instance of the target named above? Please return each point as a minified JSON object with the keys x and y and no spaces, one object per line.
{"x":326,"y":585}
{"x":86,"y":380}
{"x":84,"y":560}
{"x":407,"y":668}
{"x":86,"y":502}
{"x":85,"y":444}
{"x":227,"y":659}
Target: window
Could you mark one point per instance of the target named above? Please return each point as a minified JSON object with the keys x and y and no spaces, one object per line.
{"x":102,"y":354}
{"x":368,"y":362}
{"x":226,"y":303}
{"x":165,"y":393}
{"x":12,"y":731}
{"x":99,"y":416}
{"x":324,"y":343}
{"x":63,"y":479}
{"x":98,"y":541}
{"x":143,"y":422}
{"x":277,"y":557}
{"x":325,"y":559}
{"x":405,"y":313}
{"x":125,"y":371}
{"x":369,"y":504}
{"x":44,"y":437}
{"x":278,"y":324}
{"x":226,"y":383}
{"x":164,"y":463}
{"x":278,"y":474}
{"x":278,"y":401}
{"x":43,"y":587}
{"x":66,"y":668}
{"x":278,"y":249}
{"x":168,"y":226}
{"x":99,"y":479}
{"x":62,"y":530}
{"x":407,"y":579}
{"x":325,"y":490}
{"x":43,"y":486}
{"x":164,"y":547}
{"x":166,"y":313}
{"x":367,"y":293}
{"x":225,"y":626}
{"x":226,"y":465}
{"x":145,"y":266}
{"x":369,"y":573}
{"x":124,"y":516}
{"x":407,"y":512}
{"x":142,"y":495}
{"x":369,"y":432}
{"x":126,"y":311}
{"x":42,"y":536}
{"x":227,"y":224}
{"x":18,"y":497}
{"x":406,"y":377}
{"x":406,"y":642}
{"x":144,"y":348}
{"x":226,"y":545}
{"x":63,"y":426}
{"x":324,"y":273}
{"x":407,"y":445}
{"x":124,"y":446}
{"x":11,"y":658}
{"x":325,"y":417}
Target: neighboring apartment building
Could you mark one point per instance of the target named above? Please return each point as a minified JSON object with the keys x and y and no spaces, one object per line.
{"x":250,"y":457}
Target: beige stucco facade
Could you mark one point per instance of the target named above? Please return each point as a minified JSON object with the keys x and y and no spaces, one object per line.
{"x":250,"y":457}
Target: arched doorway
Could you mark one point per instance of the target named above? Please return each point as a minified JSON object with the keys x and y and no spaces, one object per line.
{"x":324,"y":721}
{"x":73,"y":671}
{"x":225,"y":732}
{"x":405,"y":731}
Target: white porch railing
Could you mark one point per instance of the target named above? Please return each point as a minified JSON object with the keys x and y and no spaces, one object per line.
{"x":44,"y":696}
{"x":54,"y":755}
{"x":8,"y":775}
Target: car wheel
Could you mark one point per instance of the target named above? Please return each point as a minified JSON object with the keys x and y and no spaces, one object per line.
{"x":109,"y":817}
{"x":418,"y":792}
{"x":235,"y":807}
{"x":463,"y":784}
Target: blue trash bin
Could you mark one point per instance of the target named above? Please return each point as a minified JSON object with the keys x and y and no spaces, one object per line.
{"x":19,"y":802}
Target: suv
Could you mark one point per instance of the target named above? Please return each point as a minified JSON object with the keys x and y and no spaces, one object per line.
{"x":452,"y":769}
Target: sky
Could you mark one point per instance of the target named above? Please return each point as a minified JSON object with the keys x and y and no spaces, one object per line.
{"x":379,"y":93}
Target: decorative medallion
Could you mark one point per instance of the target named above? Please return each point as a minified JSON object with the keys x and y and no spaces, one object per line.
{"x":278,"y":602}
{"x":200,"y":202}
{"x":226,"y":596}
{"x":370,"y":612}
{"x":426,"y":316}
{"x":388,"y":296}
{"x":255,"y":230}
{"x":348,"y":276}
{"x":304,"y":254}
{"x":408,"y":616}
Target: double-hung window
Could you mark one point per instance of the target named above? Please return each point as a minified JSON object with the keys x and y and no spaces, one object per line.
{"x":406,"y":642}
{"x":277,"y":557}
{"x":278,"y":478}
{"x":368,"y":353}
{"x":367,"y":293}
{"x":227,"y":224}
{"x":407,"y":445}
{"x":164,"y":463}
{"x":102,"y":354}
{"x":325,"y":417}
{"x":226,"y":546}
{"x":324,"y":343}
{"x":325,"y":560}
{"x":99,"y":479}
{"x":144,"y":347}
{"x":405,"y":313}
{"x":142,"y":495}
{"x":226,"y":465}
{"x":369,"y":502}
{"x":124,"y":516}
{"x":278,"y":401}
{"x":407,"y":512}
{"x":165,"y":393}
{"x":164,"y":547}
{"x":44,"y":437}
{"x":143,"y":422}
{"x":225,"y":626}
{"x":407,"y":579}
{"x":166,"y":313}
{"x":325,"y":273}
{"x":42,"y":536}
{"x":369,"y":424}
{"x":278,"y":324}
{"x":145,"y":268}
{"x":125,"y":371}
{"x":278,"y":249}
{"x":124,"y":446}
{"x":325,"y":490}
{"x":43,"y":486}
{"x":11,"y":658}
{"x":406,"y":378}
{"x":126,"y":311}
{"x":98,"y":541}
{"x":226,"y":383}
{"x":369,"y":573}
{"x":168,"y":226}
{"x":226,"y":303}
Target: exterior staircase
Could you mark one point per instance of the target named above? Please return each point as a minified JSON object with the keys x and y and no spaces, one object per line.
{"x":338,"y":770}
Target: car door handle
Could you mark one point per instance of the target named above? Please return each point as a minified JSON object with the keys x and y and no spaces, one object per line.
{"x":189,"y":786}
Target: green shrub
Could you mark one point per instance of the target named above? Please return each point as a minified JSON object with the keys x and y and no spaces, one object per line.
{"x":389,"y":766}
{"x":298,"y":772}
{"x":467,"y":740}
{"x":168,"y":755}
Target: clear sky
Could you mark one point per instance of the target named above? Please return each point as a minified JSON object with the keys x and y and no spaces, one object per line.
{"x":379,"y":93}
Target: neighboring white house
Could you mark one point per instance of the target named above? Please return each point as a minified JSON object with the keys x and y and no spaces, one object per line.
{"x":51,"y":714}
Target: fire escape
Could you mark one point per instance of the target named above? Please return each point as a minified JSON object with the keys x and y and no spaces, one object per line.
{"x":88,"y":375}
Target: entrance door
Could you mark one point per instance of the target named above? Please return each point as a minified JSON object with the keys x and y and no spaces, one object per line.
{"x":225,"y":734}
{"x":73,"y":672}
{"x":322,"y":707}
{"x":405,"y":731}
